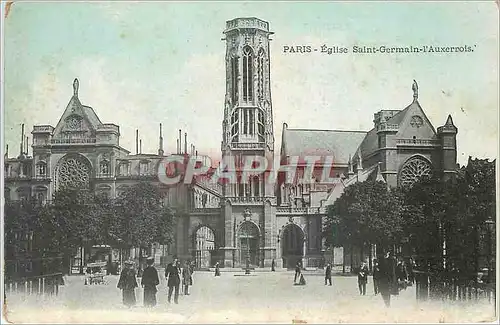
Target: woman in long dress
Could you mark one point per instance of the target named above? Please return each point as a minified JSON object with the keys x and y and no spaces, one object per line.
{"x":127,"y":283}
{"x":186,"y":278}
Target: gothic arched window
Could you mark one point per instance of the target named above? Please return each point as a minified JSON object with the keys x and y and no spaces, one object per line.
{"x":104,"y":167}
{"x":247,"y":74}
{"x":234,"y":79}
{"x":260,"y":126}
{"x":234,"y":124}
{"x":260,"y":75}
{"x":74,"y":172}
{"x":41,"y":169}
{"x":413,"y":170}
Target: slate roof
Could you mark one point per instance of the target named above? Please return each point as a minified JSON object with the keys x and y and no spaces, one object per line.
{"x":339,"y":144}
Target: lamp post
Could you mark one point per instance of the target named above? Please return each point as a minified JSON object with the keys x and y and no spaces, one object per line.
{"x":490,"y":223}
{"x":247,"y":269}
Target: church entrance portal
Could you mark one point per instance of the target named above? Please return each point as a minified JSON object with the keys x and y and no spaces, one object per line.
{"x":292,"y":245}
{"x":205,"y":245}
{"x":249,"y":244}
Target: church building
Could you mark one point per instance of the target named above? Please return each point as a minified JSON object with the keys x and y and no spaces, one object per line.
{"x":250,"y":222}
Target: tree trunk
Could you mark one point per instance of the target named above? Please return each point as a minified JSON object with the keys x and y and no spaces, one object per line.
{"x":343,"y":259}
{"x":370,"y":257}
{"x":351,"y":256}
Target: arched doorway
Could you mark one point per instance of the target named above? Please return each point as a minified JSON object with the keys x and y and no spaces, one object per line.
{"x":204,"y":240}
{"x":292,"y":245}
{"x":248,"y":236}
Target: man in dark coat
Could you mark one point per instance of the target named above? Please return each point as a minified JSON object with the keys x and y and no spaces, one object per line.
{"x":173,"y":277}
{"x":376,"y":276}
{"x":217,"y":269}
{"x":362,"y":279}
{"x":328,"y":274}
{"x":297,"y":272}
{"x":386,"y":279}
{"x":149,"y":282}
{"x":127,"y":283}
{"x":273,"y":265}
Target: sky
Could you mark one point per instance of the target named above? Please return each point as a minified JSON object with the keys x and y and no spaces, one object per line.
{"x":144,"y":63}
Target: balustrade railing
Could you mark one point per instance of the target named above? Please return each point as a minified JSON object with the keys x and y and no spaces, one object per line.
{"x":47,"y":284}
{"x":452,"y":286}
{"x":417,"y":142}
{"x":73,"y":141}
{"x":292,"y":210}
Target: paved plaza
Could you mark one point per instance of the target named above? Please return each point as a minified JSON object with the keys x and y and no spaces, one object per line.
{"x":233,"y":297}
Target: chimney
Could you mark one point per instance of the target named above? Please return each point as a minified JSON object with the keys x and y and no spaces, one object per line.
{"x":177,"y":147}
{"x":160,"y":149}
{"x":26,"y":151}
{"x":185,"y":143}
{"x":6,"y":151}
{"x":140,"y":146}
{"x":22,"y":141}
{"x":137,"y":141}
{"x":180,"y":141}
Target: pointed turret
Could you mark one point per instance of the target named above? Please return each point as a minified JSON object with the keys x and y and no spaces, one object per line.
{"x":448,"y":138}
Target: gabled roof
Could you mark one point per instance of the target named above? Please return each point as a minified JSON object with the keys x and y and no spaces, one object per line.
{"x":75,"y":107}
{"x":306,"y":142}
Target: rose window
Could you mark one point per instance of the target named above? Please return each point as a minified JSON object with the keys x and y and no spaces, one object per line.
{"x":74,"y":173}
{"x":413,"y":170}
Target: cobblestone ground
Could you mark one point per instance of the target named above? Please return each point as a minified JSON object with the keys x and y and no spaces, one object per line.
{"x":257,"y":298}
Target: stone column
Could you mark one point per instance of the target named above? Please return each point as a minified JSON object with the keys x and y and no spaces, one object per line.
{"x":269,"y":232}
{"x":229,"y":248}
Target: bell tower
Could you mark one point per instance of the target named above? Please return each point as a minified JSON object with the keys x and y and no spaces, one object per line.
{"x":248,"y":117}
{"x":248,"y":132}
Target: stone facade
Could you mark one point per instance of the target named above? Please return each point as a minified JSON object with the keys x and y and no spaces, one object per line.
{"x":252,"y":221}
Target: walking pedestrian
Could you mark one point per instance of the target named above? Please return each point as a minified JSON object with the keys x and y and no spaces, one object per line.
{"x":273,"y":265}
{"x":376,"y":275}
{"x":328,"y":273}
{"x":217,"y":269}
{"x":127,"y":283}
{"x":297,"y":272}
{"x":149,"y":282}
{"x":186,"y":278}
{"x":386,"y":278}
{"x":172,"y":275}
{"x":362,"y":278}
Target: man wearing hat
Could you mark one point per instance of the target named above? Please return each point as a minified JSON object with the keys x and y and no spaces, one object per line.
{"x":173,"y":276}
{"x":127,"y":283}
{"x":149,"y":282}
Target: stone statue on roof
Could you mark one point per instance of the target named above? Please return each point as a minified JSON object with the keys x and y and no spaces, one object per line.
{"x":414,"y":87}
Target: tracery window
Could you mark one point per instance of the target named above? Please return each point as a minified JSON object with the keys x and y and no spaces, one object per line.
{"x":104,"y":167}
{"x":234,"y":124}
{"x":260,"y":126}
{"x":413,"y":170}
{"x":41,"y":168}
{"x":260,"y":75}
{"x":234,"y":79}
{"x":247,"y":74}
{"x":74,"y":172}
